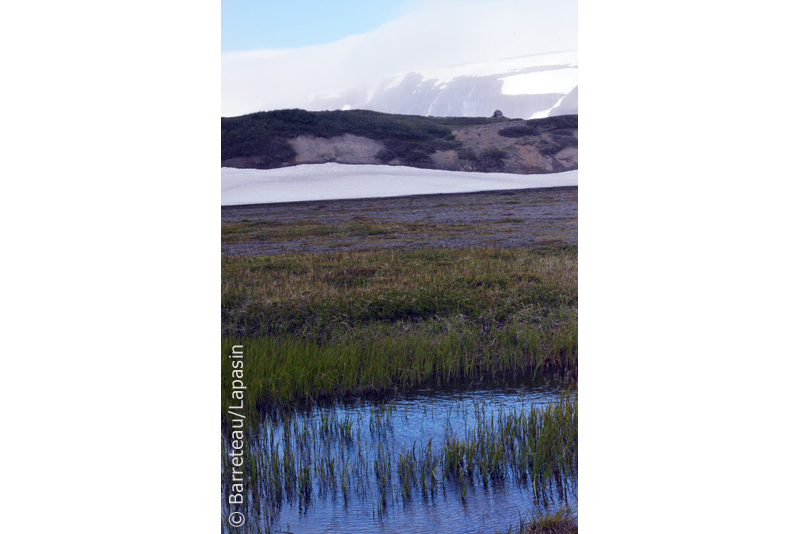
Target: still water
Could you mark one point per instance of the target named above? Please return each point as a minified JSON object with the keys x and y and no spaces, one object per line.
{"x":459,"y":460}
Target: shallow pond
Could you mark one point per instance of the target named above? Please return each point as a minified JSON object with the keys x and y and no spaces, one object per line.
{"x":468,"y":459}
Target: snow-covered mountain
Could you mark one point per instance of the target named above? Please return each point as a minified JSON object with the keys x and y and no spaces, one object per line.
{"x":525,"y":87}
{"x":448,"y":59}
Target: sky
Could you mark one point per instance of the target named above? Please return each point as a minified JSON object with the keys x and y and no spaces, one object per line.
{"x":252,"y":24}
{"x":286,"y":55}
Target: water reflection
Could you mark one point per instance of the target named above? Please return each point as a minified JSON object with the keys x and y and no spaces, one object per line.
{"x":473,"y":458}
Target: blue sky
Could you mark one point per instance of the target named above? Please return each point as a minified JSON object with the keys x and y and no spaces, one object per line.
{"x":252,"y":24}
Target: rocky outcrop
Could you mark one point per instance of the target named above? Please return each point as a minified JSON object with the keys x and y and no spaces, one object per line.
{"x":345,"y":148}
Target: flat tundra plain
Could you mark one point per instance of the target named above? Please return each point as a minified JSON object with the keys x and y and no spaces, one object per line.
{"x":526,"y":217}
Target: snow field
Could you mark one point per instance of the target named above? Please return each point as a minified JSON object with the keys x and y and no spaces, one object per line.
{"x":330,"y":181}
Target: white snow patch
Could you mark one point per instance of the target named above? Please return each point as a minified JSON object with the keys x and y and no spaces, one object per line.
{"x":346,"y":107}
{"x":446,"y":74}
{"x":545,"y":113}
{"x":396,"y":81}
{"x":549,"y":81}
{"x":330,"y":181}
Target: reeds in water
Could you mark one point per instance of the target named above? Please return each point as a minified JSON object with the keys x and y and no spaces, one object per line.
{"x":299,"y":458}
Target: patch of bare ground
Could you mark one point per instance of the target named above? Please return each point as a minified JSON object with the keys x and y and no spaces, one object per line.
{"x":533,"y":154}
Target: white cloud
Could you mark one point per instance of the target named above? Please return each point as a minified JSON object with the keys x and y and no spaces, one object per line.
{"x":445,"y":33}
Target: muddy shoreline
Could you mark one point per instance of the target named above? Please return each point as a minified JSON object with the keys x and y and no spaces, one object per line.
{"x":527,"y":217}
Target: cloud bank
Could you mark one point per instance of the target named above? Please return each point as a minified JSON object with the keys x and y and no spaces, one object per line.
{"x":447,"y":33}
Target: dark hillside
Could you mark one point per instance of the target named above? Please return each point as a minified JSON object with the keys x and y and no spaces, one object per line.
{"x":268,"y":139}
{"x":406,"y":136}
{"x":540,"y":126}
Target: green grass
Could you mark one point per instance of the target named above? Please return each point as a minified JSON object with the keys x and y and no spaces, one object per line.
{"x":561,"y":521}
{"x":319,"y":325}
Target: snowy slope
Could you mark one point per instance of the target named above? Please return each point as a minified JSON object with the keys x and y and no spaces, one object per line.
{"x":524,"y":87}
{"x":331,"y":181}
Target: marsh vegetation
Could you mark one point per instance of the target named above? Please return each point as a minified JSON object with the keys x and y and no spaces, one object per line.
{"x":370,"y":322}
{"x":373,"y":464}
{"x":392,"y":389}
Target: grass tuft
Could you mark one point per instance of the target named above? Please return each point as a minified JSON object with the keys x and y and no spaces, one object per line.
{"x":561,"y":521}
